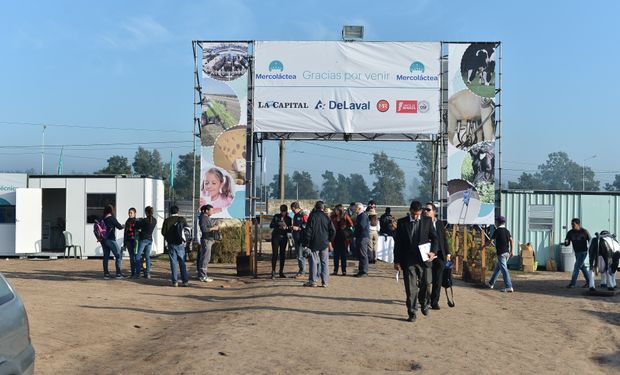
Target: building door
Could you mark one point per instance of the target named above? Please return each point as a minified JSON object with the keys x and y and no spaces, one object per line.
{"x":28,"y":217}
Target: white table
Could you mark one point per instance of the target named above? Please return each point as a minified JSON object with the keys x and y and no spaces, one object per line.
{"x":385,"y":249}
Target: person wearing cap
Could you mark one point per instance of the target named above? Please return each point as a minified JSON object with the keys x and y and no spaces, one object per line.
{"x":503,"y":244}
{"x":579,"y":238}
{"x":413,"y":231}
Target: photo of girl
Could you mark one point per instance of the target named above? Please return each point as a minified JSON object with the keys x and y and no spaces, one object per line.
{"x":217,"y":189}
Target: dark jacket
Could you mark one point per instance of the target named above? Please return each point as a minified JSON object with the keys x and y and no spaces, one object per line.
{"x":319,"y":231}
{"x":111,"y":225}
{"x":362,"y":226}
{"x":406,"y":251}
{"x":130,"y":230}
{"x":206,"y":223}
{"x":442,"y":240}
{"x":146,"y":228}
{"x":168,"y":230}
{"x":281,"y":225}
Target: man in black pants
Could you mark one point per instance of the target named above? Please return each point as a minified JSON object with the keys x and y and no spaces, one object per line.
{"x":442,"y":251}
{"x":281,"y":225}
{"x":413,"y":231}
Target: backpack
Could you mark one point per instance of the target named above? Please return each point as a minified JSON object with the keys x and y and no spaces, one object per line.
{"x":182,"y":233}
{"x":100,"y":230}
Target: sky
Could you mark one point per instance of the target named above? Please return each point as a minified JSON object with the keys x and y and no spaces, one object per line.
{"x":111,"y":75}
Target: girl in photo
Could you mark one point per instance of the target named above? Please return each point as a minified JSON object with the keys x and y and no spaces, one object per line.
{"x":216,"y":190}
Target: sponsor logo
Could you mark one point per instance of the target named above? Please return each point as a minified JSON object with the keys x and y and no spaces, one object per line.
{"x":276,"y":65}
{"x":417,"y":70}
{"x":406,"y":106}
{"x":343,"y":105}
{"x":383,"y":105}
{"x":276,"y":69}
{"x":283,"y":105}
{"x":423,"y":106}
{"x":415,"y":66}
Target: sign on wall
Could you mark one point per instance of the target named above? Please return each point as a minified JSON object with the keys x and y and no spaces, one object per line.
{"x":343,"y":87}
{"x":471,"y":127}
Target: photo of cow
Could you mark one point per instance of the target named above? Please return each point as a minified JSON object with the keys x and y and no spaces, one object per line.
{"x":471,"y":119}
{"x":478,"y":68}
{"x":224,"y":61}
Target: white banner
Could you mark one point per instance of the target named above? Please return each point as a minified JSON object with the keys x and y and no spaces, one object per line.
{"x":347,"y":87}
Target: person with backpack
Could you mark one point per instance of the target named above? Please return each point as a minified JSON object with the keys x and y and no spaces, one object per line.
{"x":209,"y":231}
{"x":146,"y":227}
{"x":129,"y":239}
{"x":108,"y":242}
{"x":172,"y":230}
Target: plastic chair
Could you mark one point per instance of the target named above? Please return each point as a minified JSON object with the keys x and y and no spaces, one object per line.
{"x":69,"y":245}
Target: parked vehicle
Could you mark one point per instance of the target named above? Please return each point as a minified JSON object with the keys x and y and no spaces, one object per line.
{"x":16,"y":351}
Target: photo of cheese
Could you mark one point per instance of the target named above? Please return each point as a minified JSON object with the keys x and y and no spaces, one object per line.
{"x":229,"y":152}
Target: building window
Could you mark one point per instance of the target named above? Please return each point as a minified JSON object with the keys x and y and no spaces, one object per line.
{"x":7,"y":214}
{"x":95,"y":204}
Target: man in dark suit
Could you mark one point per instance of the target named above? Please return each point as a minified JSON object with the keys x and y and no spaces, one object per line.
{"x":442,"y":251}
{"x":412,"y":231}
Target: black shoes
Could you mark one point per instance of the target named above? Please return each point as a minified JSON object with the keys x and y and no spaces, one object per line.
{"x":425,"y":310}
{"x":411,"y":318}
{"x":435,"y":307}
{"x":360,"y":274}
{"x":282,"y":275}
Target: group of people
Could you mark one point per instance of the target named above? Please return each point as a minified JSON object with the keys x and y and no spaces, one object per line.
{"x":352,"y":231}
{"x":138,"y":240}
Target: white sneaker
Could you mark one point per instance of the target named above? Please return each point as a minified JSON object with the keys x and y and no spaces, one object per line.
{"x":207,"y":279}
{"x":507,"y":290}
{"x":488,"y":285}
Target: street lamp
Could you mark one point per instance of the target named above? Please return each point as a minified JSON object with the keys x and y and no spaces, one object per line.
{"x":583,"y":172}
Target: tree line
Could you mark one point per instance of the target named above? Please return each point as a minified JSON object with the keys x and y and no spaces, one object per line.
{"x":558,"y":172}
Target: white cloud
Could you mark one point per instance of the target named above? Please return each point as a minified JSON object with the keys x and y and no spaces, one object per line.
{"x":136,"y":32}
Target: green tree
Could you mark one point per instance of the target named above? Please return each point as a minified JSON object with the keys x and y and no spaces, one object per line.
{"x":343,"y":190}
{"x":358,"y":190}
{"x":183,"y":176}
{"x":303,"y":186}
{"x":329,"y":187}
{"x":149,"y":163}
{"x":424,"y":151}
{"x":289,"y":187}
{"x":116,"y":165}
{"x":559,"y":172}
{"x":390,"y":183}
{"x":614,"y":186}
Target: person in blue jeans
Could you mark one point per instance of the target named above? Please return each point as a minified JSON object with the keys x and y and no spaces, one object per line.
{"x":130,"y":240}
{"x":503,"y":245}
{"x":579,"y":237}
{"x":146,"y":227}
{"x":176,"y":247}
{"x":109,"y":243}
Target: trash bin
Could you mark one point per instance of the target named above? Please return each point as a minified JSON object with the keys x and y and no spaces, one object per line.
{"x":568,"y":258}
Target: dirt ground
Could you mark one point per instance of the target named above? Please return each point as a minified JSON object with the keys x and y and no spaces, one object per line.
{"x":82,"y":324}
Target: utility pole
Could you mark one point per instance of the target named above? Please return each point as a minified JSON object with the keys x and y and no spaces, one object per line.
{"x":43,"y":150}
{"x":281,"y":169}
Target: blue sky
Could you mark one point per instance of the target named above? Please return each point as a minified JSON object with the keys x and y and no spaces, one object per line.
{"x":115,"y":73}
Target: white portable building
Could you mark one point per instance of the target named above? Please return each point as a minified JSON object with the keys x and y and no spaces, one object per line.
{"x":35,"y":210}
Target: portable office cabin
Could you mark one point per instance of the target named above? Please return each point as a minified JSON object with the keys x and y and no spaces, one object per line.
{"x":543,"y":217}
{"x":50,"y":204}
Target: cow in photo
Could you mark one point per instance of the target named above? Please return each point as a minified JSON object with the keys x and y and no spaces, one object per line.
{"x":604,"y":253}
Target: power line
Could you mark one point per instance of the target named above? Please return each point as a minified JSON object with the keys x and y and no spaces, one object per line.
{"x":96,"y":144}
{"x":93,"y":127}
